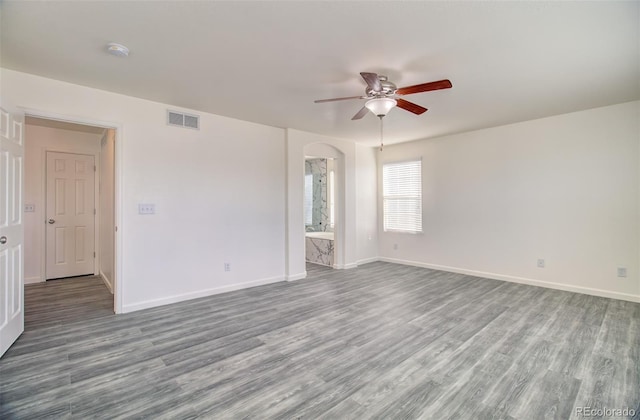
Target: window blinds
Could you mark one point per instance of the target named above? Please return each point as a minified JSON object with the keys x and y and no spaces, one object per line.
{"x":402,"y":196}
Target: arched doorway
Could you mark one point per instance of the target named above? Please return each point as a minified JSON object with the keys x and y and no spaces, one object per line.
{"x":324,"y":205}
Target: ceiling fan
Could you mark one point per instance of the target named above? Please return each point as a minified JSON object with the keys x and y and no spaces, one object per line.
{"x":383,"y":95}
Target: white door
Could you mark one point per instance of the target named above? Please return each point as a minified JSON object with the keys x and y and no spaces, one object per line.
{"x":70,"y":215}
{"x":11,"y":229}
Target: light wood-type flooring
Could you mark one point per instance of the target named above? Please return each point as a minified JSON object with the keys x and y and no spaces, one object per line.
{"x":382,"y":341}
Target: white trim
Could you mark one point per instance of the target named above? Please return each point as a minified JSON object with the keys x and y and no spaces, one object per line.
{"x":298,"y":276}
{"x":202,"y":293}
{"x":367,"y":261}
{"x":97,"y":215}
{"x":521,"y":280}
{"x":118,"y":208}
{"x":35,"y":279}
{"x":106,"y":281}
{"x":28,"y":112}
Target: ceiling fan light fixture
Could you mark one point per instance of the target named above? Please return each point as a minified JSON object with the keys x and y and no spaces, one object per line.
{"x":380,"y":106}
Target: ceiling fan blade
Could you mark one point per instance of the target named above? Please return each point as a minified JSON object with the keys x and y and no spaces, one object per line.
{"x":319,"y":101}
{"x":372,"y":81}
{"x":360,"y":113}
{"x":425,"y":87}
{"x":410,"y":106}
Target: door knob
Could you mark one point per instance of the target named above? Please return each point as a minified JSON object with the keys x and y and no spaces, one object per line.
{"x":51,"y":221}
{"x":3,"y":240}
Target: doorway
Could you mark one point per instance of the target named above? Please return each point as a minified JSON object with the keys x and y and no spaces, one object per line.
{"x":69,"y":204}
{"x":334,"y":208}
{"x":320,"y":222}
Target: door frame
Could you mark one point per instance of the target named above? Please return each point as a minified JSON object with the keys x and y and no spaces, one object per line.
{"x":118,"y":281}
{"x":96,"y":205}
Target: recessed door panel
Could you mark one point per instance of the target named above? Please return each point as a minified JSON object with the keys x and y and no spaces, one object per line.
{"x":60,"y":240}
{"x":4,"y":285}
{"x":10,"y":284}
{"x":15,"y":207}
{"x":59,"y":197}
{"x":14,"y":284}
{"x":80,"y":197}
{"x":81,"y":235}
{"x":4,"y":189}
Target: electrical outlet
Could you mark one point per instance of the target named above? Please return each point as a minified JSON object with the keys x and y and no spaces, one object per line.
{"x":540,"y":263}
{"x":29,"y":208}
{"x":395,"y":247}
{"x":146,"y":209}
{"x":622,"y":271}
{"x":227,"y":266}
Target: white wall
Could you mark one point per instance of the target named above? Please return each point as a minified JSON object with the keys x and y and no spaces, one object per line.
{"x":219,"y":192}
{"x":37,"y":141}
{"x":564,"y":188}
{"x":107,"y":208}
{"x":366,"y":204}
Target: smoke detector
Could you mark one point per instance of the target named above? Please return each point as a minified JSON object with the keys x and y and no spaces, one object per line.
{"x":118,"y":50}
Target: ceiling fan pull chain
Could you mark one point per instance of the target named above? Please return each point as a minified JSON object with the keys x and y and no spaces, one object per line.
{"x":381,"y":145}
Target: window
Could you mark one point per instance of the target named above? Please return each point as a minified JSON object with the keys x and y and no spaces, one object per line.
{"x":308,"y":199}
{"x":402,"y":196}
{"x":332,"y":203}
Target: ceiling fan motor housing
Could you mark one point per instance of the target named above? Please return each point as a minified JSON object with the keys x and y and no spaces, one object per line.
{"x":388,"y":88}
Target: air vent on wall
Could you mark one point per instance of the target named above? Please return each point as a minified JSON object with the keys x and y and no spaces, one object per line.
{"x":183,"y":120}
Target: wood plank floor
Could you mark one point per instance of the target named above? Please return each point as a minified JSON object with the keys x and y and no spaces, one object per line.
{"x":382,"y":341}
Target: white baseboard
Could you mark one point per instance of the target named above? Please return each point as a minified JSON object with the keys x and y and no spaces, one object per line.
{"x":106,"y":281}
{"x":367,"y":261}
{"x":30,"y":280}
{"x":298,"y":276}
{"x":520,"y":280}
{"x":194,"y":295}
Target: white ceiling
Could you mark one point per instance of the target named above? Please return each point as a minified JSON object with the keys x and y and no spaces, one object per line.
{"x":268,"y":61}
